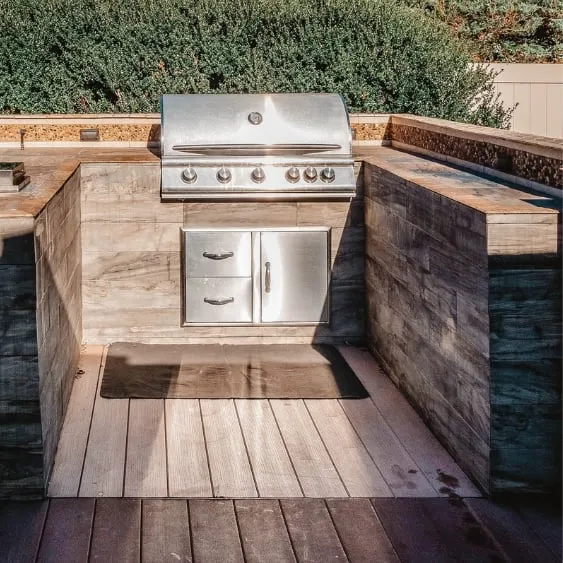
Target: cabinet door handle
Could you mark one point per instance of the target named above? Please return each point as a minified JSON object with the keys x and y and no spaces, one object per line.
{"x":267,"y":278}
{"x":220,"y":256}
{"x":219,"y":301}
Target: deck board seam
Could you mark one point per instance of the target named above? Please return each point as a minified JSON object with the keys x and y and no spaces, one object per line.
{"x":98,"y":383}
{"x":206,"y":449}
{"x":286,"y":450}
{"x":365,"y":447}
{"x":247,"y":455}
{"x":166,"y":448}
{"x":325,"y":447}
{"x":123,"y":488}
{"x":336,"y":531}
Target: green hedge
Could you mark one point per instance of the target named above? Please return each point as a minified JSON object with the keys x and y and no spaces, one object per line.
{"x":66,"y":56}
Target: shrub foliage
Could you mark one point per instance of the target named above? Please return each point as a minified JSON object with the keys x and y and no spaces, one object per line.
{"x":120,"y":56}
{"x":507,"y":31}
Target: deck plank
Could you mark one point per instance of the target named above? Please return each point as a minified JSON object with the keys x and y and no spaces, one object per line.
{"x":145,"y":469}
{"x":21,"y":526}
{"x":443,"y":473}
{"x":314,"y":468}
{"x":263,"y":532}
{"x":188,"y":467}
{"x":413,"y":535}
{"x":215,"y":535}
{"x":404,"y":477}
{"x":361,"y":531}
{"x":354,"y":464}
{"x":65,"y":479}
{"x":117,"y":531}
{"x":228,"y":461}
{"x":66,"y":536}
{"x":312,"y":532}
{"x":165,"y":531}
{"x":543,"y":515}
{"x":270,"y":462}
{"x":516,"y":538}
{"x":104,"y":463}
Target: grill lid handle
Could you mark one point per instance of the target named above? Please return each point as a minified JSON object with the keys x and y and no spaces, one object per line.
{"x":257,"y":149}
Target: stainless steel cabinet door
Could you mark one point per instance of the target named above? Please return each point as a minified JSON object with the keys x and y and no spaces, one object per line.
{"x":294,"y":276}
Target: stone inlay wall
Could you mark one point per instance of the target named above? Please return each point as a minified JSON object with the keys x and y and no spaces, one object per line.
{"x":40,"y":318}
{"x":131,"y":259}
{"x":149,"y":133}
{"x":521,"y":163}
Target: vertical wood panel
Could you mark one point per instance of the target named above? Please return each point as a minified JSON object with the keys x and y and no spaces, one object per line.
{"x":145,"y":471}
{"x":538,"y":114}
{"x":554,"y":106}
{"x":522,"y":113}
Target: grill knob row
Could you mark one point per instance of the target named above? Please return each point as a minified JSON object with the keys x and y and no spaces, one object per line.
{"x":258,"y":175}
{"x":224,"y":175}
{"x":189,"y":175}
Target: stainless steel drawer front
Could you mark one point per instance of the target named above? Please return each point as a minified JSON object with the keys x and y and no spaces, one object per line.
{"x":218,"y":300}
{"x":217,"y":254}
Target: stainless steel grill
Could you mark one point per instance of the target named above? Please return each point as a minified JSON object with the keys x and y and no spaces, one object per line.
{"x":256,"y":146}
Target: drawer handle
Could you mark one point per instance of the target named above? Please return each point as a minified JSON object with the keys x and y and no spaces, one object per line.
{"x":267,"y":278}
{"x":219,"y":301}
{"x":213,"y":256}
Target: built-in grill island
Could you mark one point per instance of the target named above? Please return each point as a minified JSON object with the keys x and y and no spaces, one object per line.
{"x":259,"y":148}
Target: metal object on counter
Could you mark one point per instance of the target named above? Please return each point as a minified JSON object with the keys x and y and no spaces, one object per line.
{"x":256,"y":147}
{"x":90,"y":134}
{"x":12,"y":177}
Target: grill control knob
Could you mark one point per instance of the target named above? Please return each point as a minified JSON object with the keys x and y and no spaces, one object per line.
{"x":224,"y":175}
{"x":310,"y":174}
{"x":258,"y":175}
{"x":189,"y":175}
{"x":327,"y":175}
{"x":292,"y":175}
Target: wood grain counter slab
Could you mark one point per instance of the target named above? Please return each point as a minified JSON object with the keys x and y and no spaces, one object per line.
{"x":472,"y":190}
{"x":49,"y":169}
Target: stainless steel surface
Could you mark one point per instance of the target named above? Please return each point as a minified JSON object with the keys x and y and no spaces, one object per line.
{"x":288,"y":276}
{"x":255,"y":146}
{"x":295,"y":276}
{"x":90,"y":134}
{"x":12,"y":176}
{"x":327,"y":174}
{"x":217,"y":254}
{"x":218,"y":300}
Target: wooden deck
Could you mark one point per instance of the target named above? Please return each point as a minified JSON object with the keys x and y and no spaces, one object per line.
{"x":183,"y":448}
{"x":384,"y":530}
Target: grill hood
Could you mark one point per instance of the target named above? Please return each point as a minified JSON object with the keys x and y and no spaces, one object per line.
{"x":203,"y":135}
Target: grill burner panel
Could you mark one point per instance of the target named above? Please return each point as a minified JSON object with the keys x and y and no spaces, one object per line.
{"x":256,"y":146}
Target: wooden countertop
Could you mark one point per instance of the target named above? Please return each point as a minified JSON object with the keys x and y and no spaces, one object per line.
{"x":487,"y":196}
{"x":50,"y":168}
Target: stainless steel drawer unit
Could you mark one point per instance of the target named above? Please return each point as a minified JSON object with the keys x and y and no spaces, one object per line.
{"x":267,"y":276}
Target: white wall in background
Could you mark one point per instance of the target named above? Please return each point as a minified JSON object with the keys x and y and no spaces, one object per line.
{"x":538,"y":90}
